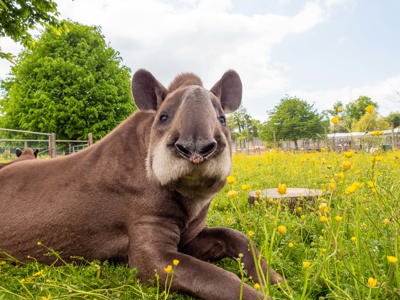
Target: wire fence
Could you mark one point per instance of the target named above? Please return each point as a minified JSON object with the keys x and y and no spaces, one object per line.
{"x":47,"y":143}
{"x":359,"y":141}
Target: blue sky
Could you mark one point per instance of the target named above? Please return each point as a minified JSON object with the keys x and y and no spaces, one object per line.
{"x":321,"y":51}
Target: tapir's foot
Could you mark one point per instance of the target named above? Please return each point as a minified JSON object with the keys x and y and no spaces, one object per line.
{"x":274,"y":277}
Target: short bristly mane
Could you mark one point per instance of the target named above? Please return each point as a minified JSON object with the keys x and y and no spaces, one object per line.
{"x":184,"y":79}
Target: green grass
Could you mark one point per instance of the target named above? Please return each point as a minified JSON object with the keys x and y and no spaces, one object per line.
{"x":331,"y":249}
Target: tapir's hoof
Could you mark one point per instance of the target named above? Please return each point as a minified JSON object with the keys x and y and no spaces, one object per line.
{"x":275,"y":278}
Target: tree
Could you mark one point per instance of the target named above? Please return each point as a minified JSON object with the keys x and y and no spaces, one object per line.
{"x":70,"y":82}
{"x":356,"y":109}
{"x":370,"y":122}
{"x":293,"y":119}
{"x":19,"y":16}
{"x":242,"y":126}
{"x":393,"y":119}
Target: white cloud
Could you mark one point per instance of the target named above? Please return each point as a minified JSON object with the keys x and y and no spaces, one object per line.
{"x":385,"y":92}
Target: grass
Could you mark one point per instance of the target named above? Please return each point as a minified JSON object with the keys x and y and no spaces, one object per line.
{"x":344,"y":245}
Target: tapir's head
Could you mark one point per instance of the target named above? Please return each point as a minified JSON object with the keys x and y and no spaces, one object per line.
{"x":190,"y":145}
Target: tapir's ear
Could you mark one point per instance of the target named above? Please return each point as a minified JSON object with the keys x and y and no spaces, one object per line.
{"x":36,"y":152}
{"x":18,"y":152}
{"x":229,"y":90}
{"x":147,"y":91}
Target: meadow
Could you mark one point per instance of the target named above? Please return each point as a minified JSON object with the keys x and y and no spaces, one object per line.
{"x":343,"y":245}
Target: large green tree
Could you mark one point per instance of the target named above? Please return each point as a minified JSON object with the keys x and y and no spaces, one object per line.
{"x":294,"y":119}
{"x":70,"y":82}
{"x":356,"y":109}
{"x":18,"y":16}
{"x":394,"y":119}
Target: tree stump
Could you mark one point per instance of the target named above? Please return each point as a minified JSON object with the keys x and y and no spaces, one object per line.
{"x":292,"y":198}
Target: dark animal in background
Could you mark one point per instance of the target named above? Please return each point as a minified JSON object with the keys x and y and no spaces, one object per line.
{"x":146,"y":208}
{"x":28,"y":153}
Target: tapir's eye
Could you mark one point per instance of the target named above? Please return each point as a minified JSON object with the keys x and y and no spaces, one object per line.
{"x":222,"y":120}
{"x":163,"y":117}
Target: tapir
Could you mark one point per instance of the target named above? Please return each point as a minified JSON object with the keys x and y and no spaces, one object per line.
{"x":28,"y":153}
{"x":140,"y":195}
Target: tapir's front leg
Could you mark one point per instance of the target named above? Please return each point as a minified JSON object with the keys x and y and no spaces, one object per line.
{"x":152,"y":248}
{"x":217,"y":243}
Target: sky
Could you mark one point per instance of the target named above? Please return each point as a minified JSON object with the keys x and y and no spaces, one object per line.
{"x":321,"y":51}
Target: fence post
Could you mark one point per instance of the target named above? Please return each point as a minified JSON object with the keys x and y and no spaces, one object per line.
{"x":90,"y":139}
{"x":52,"y":145}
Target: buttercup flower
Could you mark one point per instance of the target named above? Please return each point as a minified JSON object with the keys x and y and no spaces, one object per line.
{"x":392,"y":259}
{"x":335,"y":120}
{"x":245,"y":187}
{"x":282,"y":229}
{"x":369,"y":109}
{"x":168,"y":269}
{"x":372,"y":282}
{"x":323,"y":219}
{"x":338,"y":218}
{"x":230,"y":179}
{"x":175,"y":262}
{"x":232,"y":194}
{"x":282,"y":188}
{"x":306,"y":264}
{"x":346,"y":165}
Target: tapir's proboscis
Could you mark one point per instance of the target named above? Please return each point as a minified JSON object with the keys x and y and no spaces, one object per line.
{"x":140,"y":195}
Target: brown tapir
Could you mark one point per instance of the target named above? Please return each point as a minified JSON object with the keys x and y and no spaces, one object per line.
{"x":28,"y":153}
{"x":141,"y":194}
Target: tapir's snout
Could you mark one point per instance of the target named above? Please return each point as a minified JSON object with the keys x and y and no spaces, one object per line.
{"x":196,"y":152}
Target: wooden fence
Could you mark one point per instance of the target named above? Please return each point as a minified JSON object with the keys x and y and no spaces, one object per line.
{"x":50,"y":140}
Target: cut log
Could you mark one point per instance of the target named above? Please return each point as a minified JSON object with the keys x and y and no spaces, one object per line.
{"x":292,"y":198}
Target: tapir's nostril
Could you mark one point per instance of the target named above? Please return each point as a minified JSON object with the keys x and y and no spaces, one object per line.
{"x":207,"y":149}
{"x":184,"y":150}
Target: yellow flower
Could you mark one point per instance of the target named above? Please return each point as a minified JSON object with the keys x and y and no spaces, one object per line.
{"x":323,"y":219}
{"x":245,"y":187}
{"x":250,"y":232}
{"x":353,"y":239}
{"x":39,"y":243}
{"x":369,"y":109}
{"x":340,"y":109}
{"x":290,"y":245}
{"x":303,"y":217}
{"x":282,"y":188}
{"x":356,"y":172}
{"x":392,"y":259}
{"x":338,"y":218}
{"x":306,"y":264}
{"x":348,"y":154}
{"x":232,"y":194}
{"x":168,"y":269}
{"x":256,"y":286}
{"x":340,"y":175}
{"x":346,"y":165}
{"x":332,"y":185}
{"x":230,"y":179}
{"x":323,"y":208}
{"x":282,"y":229}
{"x":258,"y":192}
{"x":46,"y":298}
{"x":386,"y":221}
{"x":372,"y":282}
{"x":370,"y":184}
{"x":175,"y":262}
{"x":335,"y":120}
